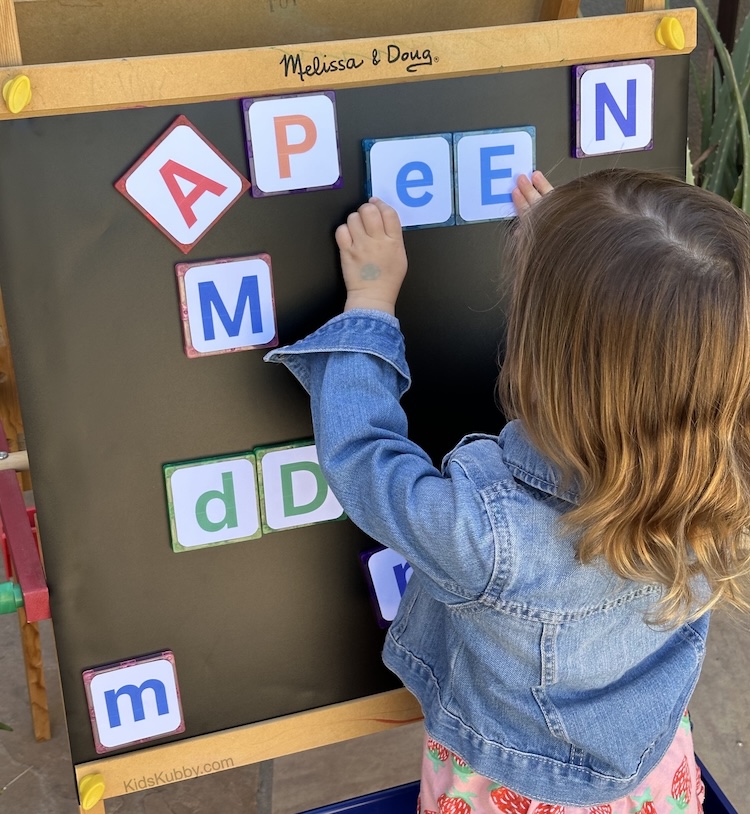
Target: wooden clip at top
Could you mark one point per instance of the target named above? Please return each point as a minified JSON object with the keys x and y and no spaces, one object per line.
{"x":16,"y":91}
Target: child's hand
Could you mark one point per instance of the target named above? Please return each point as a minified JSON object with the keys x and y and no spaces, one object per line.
{"x":373,"y":257}
{"x":529,"y":191}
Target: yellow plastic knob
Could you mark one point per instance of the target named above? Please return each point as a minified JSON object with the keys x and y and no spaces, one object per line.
{"x":670,"y":34}
{"x":90,"y":790}
{"x":17,"y":93}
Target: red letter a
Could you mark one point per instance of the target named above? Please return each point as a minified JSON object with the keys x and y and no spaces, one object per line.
{"x":169,"y":173}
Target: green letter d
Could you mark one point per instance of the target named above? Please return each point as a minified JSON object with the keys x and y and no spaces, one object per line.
{"x":227,"y":497}
{"x":287,"y":490}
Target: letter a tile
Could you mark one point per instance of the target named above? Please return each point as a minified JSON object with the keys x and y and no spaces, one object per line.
{"x":182,"y":184}
{"x":227,"y":305}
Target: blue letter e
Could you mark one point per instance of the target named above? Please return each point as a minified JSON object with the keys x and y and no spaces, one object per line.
{"x":488,"y":174}
{"x":404,"y":183}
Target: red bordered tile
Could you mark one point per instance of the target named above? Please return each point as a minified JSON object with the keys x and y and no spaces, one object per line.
{"x":182,"y":184}
{"x":227,"y":305}
{"x":133,"y":701}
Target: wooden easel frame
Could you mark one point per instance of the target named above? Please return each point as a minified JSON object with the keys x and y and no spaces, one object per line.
{"x":79,"y":87}
{"x":558,"y":39}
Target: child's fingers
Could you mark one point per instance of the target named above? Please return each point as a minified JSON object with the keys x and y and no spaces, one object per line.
{"x":519,"y":200}
{"x":541,"y":184}
{"x":355,"y":226}
{"x":391,"y":220}
{"x":372,"y":220}
{"x":343,"y":237}
{"x":528,"y":191}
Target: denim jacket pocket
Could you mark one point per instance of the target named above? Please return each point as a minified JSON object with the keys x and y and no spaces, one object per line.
{"x":633,"y":705}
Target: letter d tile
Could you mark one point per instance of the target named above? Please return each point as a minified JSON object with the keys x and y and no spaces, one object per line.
{"x":212,"y":501}
{"x":292,"y":487}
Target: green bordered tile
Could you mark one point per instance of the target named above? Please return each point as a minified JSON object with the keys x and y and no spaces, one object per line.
{"x":212,"y":501}
{"x":292,"y":489}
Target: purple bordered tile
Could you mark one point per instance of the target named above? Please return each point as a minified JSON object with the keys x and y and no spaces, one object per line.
{"x":292,"y":143}
{"x":616,"y":114}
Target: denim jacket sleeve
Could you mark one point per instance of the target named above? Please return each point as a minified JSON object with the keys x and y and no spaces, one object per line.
{"x":355,"y":371}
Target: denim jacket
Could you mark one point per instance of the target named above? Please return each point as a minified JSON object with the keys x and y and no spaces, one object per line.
{"x":537,"y":670}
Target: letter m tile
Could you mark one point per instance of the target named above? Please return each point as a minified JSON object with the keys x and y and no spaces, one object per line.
{"x":133,"y":701}
{"x":227,"y":305}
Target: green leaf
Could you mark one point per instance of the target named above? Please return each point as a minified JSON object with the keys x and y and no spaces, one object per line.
{"x":730,"y":111}
{"x":6,"y":727}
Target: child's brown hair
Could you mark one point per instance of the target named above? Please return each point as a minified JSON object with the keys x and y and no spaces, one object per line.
{"x":628,"y":360}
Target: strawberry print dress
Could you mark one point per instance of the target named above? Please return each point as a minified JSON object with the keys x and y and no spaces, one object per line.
{"x":449,"y":786}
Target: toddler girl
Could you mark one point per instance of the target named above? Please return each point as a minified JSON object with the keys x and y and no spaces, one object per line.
{"x":555,"y":624}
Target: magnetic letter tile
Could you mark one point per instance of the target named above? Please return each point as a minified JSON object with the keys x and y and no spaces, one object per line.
{"x":487,"y":164}
{"x":414,"y":175}
{"x":227,"y":305}
{"x":212,"y":501}
{"x":133,"y":701}
{"x":387,"y":575}
{"x":614,"y":107}
{"x":292,"y":488}
{"x":182,"y":184}
{"x":292,"y":143}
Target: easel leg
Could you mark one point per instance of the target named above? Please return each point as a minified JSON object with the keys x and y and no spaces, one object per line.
{"x":644,"y":5}
{"x":264,"y":794}
{"x":97,"y":809}
{"x":32,"y":656}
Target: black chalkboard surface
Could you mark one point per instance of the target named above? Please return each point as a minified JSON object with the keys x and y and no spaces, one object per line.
{"x":283,"y":623}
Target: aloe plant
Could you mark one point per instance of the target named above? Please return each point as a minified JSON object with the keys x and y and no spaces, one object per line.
{"x":723,"y":96}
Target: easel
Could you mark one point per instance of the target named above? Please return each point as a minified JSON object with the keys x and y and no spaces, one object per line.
{"x":556,"y":37}
{"x":11,"y":507}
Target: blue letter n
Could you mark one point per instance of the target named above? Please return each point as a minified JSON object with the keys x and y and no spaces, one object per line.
{"x":209,"y":296}
{"x":400,"y":572}
{"x":604,"y":99}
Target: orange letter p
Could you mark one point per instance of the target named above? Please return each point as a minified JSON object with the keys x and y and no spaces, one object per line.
{"x":284,"y":148}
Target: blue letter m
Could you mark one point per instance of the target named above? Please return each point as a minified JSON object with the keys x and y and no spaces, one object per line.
{"x":209,"y":296}
{"x":136,"y":700}
{"x":604,"y":99}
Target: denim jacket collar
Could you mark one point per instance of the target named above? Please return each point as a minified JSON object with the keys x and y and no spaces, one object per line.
{"x":528,"y":466}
